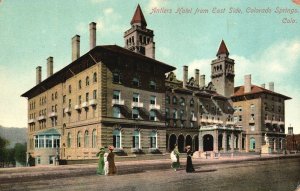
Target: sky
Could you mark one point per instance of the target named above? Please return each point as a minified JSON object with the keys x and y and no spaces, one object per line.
{"x":262,"y":37}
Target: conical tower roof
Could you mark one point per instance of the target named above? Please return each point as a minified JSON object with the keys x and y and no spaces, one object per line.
{"x":138,"y":17}
{"x":223,"y":49}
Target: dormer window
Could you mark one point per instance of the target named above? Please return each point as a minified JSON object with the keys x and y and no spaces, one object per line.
{"x":136,"y":82}
{"x":152,"y":85}
{"x":116,"y":77}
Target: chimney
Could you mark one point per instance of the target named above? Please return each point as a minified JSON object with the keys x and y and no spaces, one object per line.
{"x":38,"y":75}
{"x":202,"y":81}
{"x":271,"y":86}
{"x":263,"y":85}
{"x":75,"y":47}
{"x":247,"y":85}
{"x":92,"y":35}
{"x":185,"y":76}
{"x":49,"y":66}
{"x":150,"y":50}
{"x":197,"y":77}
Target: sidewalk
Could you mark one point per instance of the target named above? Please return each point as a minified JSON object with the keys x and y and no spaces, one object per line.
{"x":124,"y":167}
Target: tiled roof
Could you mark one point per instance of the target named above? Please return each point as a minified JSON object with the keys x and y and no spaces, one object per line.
{"x":223,"y":49}
{"x":239,"y":91}
{"x":138,"y":17}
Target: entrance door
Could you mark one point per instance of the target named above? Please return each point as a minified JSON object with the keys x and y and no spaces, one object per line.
{"x":208,"y":143}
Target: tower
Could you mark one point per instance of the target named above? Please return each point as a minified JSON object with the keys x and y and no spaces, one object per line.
{"x":222,"y":72}
{"x":138,"y":38}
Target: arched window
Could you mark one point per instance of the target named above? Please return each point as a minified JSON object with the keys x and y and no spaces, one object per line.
{"x":117,"y":138}
{"x":136,"y":139}
{"x":79,"y":135}
{"x":86,"y":139}
{"x":135,"y":81}
{"x":153,"y":138}
{"x":95,"y":77}
{"x":94,"y":138}
{"x":69,"y":140}
{"x":70,"y":89}
{"x":79,"y":84}
{"x":152,"y":85}
{"x":252,"y":143}
{"x":174,"y":100}
{"x":87,"y":81}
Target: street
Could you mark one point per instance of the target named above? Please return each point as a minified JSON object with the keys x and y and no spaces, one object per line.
{"x":254,"y":175}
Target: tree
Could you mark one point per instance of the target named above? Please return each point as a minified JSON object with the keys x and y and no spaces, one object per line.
{"x":3,"y":151}
{"x":20,"y":153}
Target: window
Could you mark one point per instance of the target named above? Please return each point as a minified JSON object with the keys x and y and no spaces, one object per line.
{"x":181,"y":124}
{"x":38,"y":160}
{"x":252,"y":107}
{"x":86,"y":139}
{"x":70,"y":101}
{"x":48,"y":141}
{"x":136,"y":139}
{"x":192,"y":102}
{"x":95,"y":94}
{"x":152,"y":85}
{"x":55,"y":95}
{"x":79,"y":84}
{"x":87,"y":81}
{"x":116,"y":95}
{"x":79,"y":99}
{"x":153,"y":138}
{"x":175,"y":114}
{"x":279,"y":109}
{"x":252,"y":143}
{"x":168,"y":100}
{"x":69,"y":140}
{"x":95,"y":77}
{"x":135,"y":81}
{"x":116,"y":112}
{"x":94,"y":138}
{"x":70,"y":89}
{"x":116,"y":77}
{"x":181,"y":114}
{"x":240,"y":118}
{"x":152,"y":115}
{"x":167,"y":113}
{"x":174,"y":100}
{"x":182,"y":101}
{"x":87,"y":97}
{"x":117,"y":138}
{"x":252,"y":128}
{"x":135,"y":97}
{"x":152,"y":100}
{"x":79,"y":139}
{"x":64,"y":99}
{"x":192,"y":124}
{"x":135,"y":113}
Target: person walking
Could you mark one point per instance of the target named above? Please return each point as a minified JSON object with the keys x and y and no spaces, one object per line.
{"x":189,"y":164}
{"x":112,"y":170}
{"x":175,"y":158}
{"x":100,"y":169}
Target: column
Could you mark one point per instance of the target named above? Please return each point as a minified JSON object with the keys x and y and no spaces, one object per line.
{"x":224,"y":144}
{"x":240,"y":137}
{"x":200,"y":142}
{"x":215,"y":141}
{"x":232,"y":142}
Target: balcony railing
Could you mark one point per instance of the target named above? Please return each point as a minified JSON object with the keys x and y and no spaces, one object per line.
{"x":85,"y":105}
{"x":67,"y":110}
{"x":204,"y":120}
{"x":53,"y":114}
{"x":137,"y":104}
{"x":281,"y":123}
{"x":230,"y":122}
{"x":41,"y":118}
{"x":93,"y":102}
{"x":267,"y":121}
{"x":154,"y":107}
{"x":77,"y":107}
{"x":117,"y":102}
{"x":31,"y":121}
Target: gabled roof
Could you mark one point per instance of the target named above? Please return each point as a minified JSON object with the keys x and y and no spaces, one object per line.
{"x":138,"y":17}
{"x":223,"y":49}
{"x":105,"y":54}
{"x":240,"y":91}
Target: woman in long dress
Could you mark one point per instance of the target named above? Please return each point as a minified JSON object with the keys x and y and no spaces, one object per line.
{"x":175,"y":158}
{"x":100,"y":169}
{"x":189,"y":164}
{"x":111,"y":161}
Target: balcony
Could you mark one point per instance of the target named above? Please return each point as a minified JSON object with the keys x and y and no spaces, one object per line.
{"x":67,"y":110}
{"x":137,"y":104}
{"x":274,"y":122}
{"x":77,"y":107}
{"x":230,"y":122}
{"x":118,"y":102}
{"x":251,"y":121}
{"x":154,"y":107}
{"x":85,"y":105}
{"x":53,"y":114}
{"x":203,"y":120}
{"x":93,"y":102}
{"x":31,"y":121}
{"x":267,"y":121}
{"x":193,"y":118}
{"x":41,"y":118}
{"x":209,"y":120}
{"x":281,"y":123}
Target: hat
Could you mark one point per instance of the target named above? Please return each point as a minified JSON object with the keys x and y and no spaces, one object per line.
{"x":111,"y":148}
